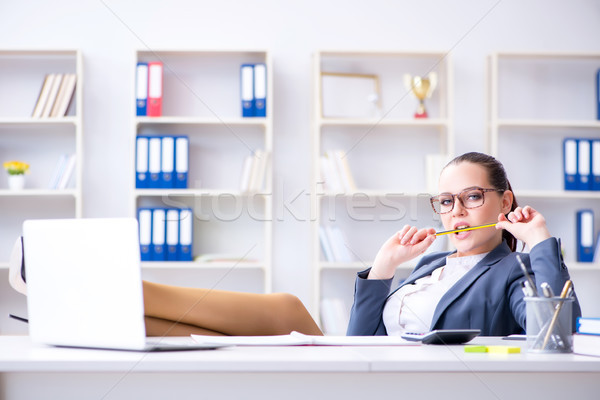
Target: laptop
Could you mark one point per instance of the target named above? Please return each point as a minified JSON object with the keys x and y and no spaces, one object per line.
{"x":84,"y":286}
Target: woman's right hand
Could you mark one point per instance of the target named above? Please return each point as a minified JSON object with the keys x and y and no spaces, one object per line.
{"x":405,"y":245}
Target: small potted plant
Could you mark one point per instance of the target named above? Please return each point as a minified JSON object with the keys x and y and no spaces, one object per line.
{"x":16,"y":174}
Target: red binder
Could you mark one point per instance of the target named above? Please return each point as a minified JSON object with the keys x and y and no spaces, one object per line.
{"x":155,"y":89}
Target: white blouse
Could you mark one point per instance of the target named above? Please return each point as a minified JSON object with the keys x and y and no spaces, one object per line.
{"x":411,"y":308}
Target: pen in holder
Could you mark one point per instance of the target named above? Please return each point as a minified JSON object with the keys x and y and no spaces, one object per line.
{"x":549,"y":324}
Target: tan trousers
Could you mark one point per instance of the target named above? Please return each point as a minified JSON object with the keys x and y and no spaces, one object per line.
{"x":180,"y":311}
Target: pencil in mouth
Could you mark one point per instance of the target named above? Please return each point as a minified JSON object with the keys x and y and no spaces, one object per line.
{"x":470,"y":228}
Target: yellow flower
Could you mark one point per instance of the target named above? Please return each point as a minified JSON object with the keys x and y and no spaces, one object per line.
{"x":16,"y":167}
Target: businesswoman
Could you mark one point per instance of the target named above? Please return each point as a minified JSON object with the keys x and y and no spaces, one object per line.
{"x":478,"y":286}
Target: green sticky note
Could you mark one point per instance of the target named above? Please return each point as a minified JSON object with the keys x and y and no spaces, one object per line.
{"x":472,"y":348}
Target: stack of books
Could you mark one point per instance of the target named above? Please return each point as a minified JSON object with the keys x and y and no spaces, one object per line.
{"x":55,"y":96}
{"x":63,"y":172}
{"x":335,"y":172}
{"x":254,"y":172}
{"x":586,"y":340}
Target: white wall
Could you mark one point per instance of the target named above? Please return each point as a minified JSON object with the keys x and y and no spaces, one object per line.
{"x":109,"y":31}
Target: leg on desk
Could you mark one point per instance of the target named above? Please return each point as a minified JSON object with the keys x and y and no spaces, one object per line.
{"x":194,"y":310}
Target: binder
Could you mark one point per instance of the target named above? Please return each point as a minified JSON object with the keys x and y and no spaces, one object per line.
{"x":186,"y":229}
{"x":141,"y":88}
{"x":141,"y":162}
{"x":595,"y":176}
{"x":181,"y":162}
{"x":154,"y":162}
{"x":155,"y":89}
{"x":584,"y":164}
{"x":260,"y":90}
{"x":145,"y":227}
{"x":247,"y":89}
{"x":172,"y":231}
{"x":158,"y":234}
{"x":167,"y":162}
{"x":570,"y":163}
{"x":585,"y":235}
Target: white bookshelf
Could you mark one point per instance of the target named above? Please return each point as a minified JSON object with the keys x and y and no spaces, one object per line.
{"x":40,"y":142}
{"x":201,"y":99}
{"x":37,"y":141}
{"x":386,"y":154}
{"x":535,"y":100}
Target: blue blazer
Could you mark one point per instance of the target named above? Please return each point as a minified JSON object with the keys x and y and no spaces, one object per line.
{"x":488,"y":297}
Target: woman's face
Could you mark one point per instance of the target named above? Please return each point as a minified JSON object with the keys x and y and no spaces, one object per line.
{"x":454,"y":179}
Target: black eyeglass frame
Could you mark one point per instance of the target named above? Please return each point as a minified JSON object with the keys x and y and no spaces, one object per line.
{"x":456,"y":195}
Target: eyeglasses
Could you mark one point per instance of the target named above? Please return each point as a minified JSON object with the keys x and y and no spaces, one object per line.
{"x":472,"y":197}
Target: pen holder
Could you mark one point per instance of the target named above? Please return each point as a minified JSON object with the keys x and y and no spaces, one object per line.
{"x":549,"y":324}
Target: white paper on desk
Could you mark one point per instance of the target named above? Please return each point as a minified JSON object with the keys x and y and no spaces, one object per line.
{"x":299,"y":339}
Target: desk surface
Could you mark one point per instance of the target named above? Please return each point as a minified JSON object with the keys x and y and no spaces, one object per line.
{"x":17,"y":354}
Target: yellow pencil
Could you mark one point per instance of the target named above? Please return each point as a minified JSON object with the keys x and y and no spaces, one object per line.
{"x":470,"y":228}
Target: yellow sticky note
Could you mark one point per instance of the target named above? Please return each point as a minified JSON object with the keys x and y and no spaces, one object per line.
{"x":503,"y":349}
{"x":473,"y":348}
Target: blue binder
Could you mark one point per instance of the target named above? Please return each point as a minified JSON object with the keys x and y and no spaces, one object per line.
{"x":186,"y":233}
{"x":141,"y":89}
{"x":570,"y":163}
{"x":247,"y":89}
{"x":145,"y":227}
{"x":182,"y":147}
{"x":584,"y":165}
{"x":167,"y":178}
{"x":595,"y":164}
{"x":172,"y":234}
{"x":154,"y":162}
{"x":158,"y":234}
{"x":585,"y":235}
{"x":260,"y":90}
{"x":141,"y":162}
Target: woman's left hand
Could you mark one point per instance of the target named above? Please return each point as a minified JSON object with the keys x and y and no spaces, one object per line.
{"x":526,"y":224}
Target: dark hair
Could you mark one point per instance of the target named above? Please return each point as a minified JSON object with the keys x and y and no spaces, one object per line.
{"x":498,"y":180}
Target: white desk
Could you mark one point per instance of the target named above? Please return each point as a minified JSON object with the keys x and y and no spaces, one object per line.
{"x":304,"y":372}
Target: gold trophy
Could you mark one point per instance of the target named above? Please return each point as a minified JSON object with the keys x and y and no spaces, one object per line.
{"x":421,"y":87}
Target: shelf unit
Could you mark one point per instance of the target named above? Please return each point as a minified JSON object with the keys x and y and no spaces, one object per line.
{"x":386,"y":155}
{"x":201,"y":99}
{"x":536,"y":100}
{"x":37,"y":141}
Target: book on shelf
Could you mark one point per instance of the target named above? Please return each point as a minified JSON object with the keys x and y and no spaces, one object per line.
{"x":334,"y":245}
{"x":336,"y":173}
{"x":64,"y":96}
{"x":63,"y":172}
{"x":254,"y":172}
{"x":588,"y":345}
{"x":55,"y":95}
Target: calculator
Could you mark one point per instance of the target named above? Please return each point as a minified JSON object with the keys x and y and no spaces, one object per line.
{"x":443,"y":336}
